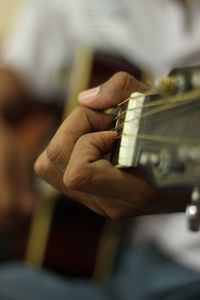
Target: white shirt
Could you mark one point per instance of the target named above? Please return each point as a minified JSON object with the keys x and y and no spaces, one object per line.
{"x":153,"y":34}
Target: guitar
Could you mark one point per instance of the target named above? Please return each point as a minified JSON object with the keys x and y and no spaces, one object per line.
{"x":158,"y":133}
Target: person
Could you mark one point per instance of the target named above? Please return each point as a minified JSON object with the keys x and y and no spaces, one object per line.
{"x":143,"y":273}
{"x":30,"y":70}
{"x":178,"y":46}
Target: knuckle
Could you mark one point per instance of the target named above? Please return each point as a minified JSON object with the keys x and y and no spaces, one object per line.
{"x":83,"y":140}
{"x":41,"y":168}
{"x":127,"y":83}
{"x":71,"y":182}
{"x":123,"y":79}
{"x":55,"y":152}
{"x":122,"y":75}
{"x":77,"y":179}
{"x":85,"y":115}
{"x":81,"y":111}
{"x":120,"y":86}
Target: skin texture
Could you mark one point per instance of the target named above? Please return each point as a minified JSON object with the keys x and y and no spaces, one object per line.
{"x":74,"y":160}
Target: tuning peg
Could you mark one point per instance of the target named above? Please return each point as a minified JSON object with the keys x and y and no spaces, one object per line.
{"x":195,"y":80}
{"x":164,"y":161}
{"x":187,"y":153}
{"x":144,"y":159}
{"x":170,"y":85}
{"x":193,"y":211}
{"x":152,"y":158}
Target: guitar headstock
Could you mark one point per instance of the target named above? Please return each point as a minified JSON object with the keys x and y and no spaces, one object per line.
{"x":159,"y":133}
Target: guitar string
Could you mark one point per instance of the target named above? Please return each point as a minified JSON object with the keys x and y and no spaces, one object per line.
{"x":135,"y":97}
{"x":177,"y":102}
{"x":156,"y":111}
{"x":152,"y":104}
{"x":166,"y":86}
{"x":162,"y":108}
{"x":178,"y":98}
{"x":163,"y":139}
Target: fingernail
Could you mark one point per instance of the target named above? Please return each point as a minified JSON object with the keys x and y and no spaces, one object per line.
{"x":88,"y":94}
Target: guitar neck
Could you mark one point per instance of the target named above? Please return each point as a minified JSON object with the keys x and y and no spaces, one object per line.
{"x":159,"y":132}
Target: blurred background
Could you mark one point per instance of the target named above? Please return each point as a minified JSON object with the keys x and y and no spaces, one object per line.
{"x":8,"y":14}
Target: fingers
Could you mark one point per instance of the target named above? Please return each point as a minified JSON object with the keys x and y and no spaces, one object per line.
{"x":109,"y":207}
{"x":99,"y":144}
{"x":80,"y":122}
{"x":54,"y":177}
{"x":48,"y":171}
{"x":83,"y":120}
{"x":118,"y":88}
{"x":90,"y":173}
{"x":90,"y":150}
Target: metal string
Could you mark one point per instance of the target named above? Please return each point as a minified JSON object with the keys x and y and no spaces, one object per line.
{"x":172,"y":102}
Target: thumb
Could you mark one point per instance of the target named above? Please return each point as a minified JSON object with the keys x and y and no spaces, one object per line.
{"x":115,"y":90}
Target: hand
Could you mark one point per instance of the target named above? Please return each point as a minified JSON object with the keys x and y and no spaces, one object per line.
{"x":73,"y":162}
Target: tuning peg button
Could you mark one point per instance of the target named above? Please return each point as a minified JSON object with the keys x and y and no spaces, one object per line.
{"x":193,"y":211}
{"x":163,"y":161}
{"x":152,"y":158}
{"x":195,"y":80}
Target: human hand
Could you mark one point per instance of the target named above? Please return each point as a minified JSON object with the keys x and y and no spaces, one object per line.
{"x":74,"y":160}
